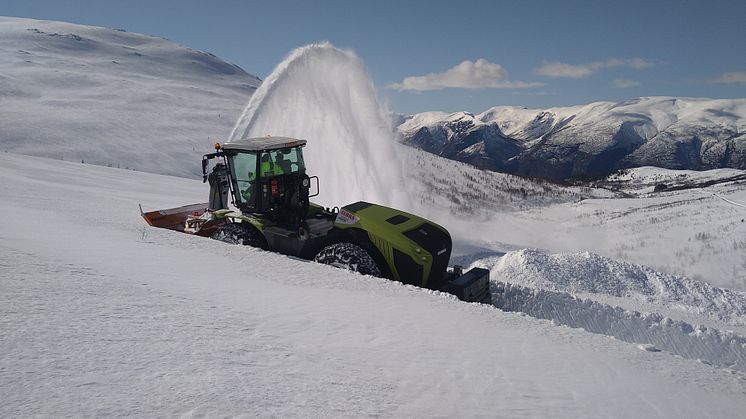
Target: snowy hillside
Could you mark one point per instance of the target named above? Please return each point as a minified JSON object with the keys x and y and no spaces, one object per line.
{"x":449,"y":186}
{"x":593,"y":140}
{"x":699,"y":233}
{"x":111,"y":97}
{"x":695,"y":227}
{"x":128,"y":320}
{"x":647,"y":180}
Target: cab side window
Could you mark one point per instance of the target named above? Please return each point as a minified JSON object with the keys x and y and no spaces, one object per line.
{"x":243,"y":167}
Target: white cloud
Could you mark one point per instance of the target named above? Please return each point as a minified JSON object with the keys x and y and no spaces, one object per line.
{"x":563,"y":70}
{"x":638,"y":63}
{"x":736,"y":77}
{"x":625,"y":84}
{"x":477,"y":74}
{"x":576,"y":71}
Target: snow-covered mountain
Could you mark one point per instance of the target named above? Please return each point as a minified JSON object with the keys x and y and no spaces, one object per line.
{"x":589,"y":141}
{"x":106,"y":96}
{"x":110,"y":97}
{"x":104,"y":316}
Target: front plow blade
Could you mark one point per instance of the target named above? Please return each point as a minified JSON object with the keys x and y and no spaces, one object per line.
{"x":173,"y":218}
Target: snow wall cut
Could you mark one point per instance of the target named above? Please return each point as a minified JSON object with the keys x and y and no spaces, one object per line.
{"x":324,"y":95}
{"x":723,"y":349}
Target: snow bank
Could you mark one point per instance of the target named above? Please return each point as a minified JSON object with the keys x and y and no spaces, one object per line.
{"x":588,"y":273}
{"x":711,"y":346}
{"x":597,"y":294}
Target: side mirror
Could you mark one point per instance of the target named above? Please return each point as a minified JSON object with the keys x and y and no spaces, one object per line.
{"x":313,"y":180}
{"x":204,"y":170}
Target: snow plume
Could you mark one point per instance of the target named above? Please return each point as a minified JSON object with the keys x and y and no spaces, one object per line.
{"x":324,"y":95}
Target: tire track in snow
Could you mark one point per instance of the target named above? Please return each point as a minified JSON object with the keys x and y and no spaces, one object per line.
{"x":729,"y":201}
{"x":724,"y":199}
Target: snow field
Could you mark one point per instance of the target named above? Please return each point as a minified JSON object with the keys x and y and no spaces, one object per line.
{"x":102,"y":316}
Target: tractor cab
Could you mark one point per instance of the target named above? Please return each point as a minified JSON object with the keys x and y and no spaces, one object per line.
{"x":265,"y":175}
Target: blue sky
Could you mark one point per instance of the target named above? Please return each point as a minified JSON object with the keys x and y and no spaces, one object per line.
{"x":461,"y":55}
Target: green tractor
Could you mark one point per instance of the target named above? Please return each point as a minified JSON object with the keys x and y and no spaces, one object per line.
{"x":265,"y":180}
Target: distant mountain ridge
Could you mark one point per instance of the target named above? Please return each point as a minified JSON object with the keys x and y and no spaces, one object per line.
{"x":589,"y":141}
{"x":111,"y":97}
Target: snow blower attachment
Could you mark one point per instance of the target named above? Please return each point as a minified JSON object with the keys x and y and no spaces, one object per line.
{"x":265,"y":180}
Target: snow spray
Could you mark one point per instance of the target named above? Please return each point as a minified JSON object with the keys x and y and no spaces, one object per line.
{"x":324,"y":95}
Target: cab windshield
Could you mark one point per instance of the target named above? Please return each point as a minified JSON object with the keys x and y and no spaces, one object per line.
{"x":281,"y":162}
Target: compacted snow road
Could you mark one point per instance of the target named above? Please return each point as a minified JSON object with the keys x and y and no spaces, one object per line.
{"x":102,"y":316}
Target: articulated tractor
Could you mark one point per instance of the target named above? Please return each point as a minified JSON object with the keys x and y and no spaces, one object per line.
{"x":265,"y":181}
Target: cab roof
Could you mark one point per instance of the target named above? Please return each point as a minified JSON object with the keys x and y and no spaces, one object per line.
{"x":265,"y":143}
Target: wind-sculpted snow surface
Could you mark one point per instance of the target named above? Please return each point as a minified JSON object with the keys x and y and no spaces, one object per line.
{"x":324,"y":95}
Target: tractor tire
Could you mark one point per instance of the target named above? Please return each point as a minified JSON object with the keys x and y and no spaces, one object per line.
{"x":348,"y":256}
{"x":239,"y":233}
